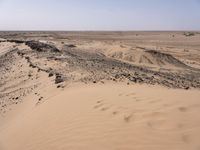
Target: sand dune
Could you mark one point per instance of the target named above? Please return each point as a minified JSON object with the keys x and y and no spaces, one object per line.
{"x":111,"y":116}
{"x":99,"y":90}
{"x":144,"y":56}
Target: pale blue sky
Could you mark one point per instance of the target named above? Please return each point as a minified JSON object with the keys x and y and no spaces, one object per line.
{"x":99,"y":14}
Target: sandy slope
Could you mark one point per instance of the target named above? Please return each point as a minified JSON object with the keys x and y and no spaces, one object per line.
{"x":109,"y":116}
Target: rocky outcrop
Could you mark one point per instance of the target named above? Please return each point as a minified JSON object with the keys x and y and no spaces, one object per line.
{"x":41,"y":47}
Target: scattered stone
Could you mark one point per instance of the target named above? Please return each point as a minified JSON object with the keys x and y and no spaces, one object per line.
{"x":133,"y":79}
{"x":59,"y":86}
{"x":51,"y":74}
{"x":29,"y":75}
{"x":58,"y":79}
{"x":102,"y":82}
{"x":40,"y":98}
{"x":187,"y":88}
{"x":27,"y":58}
{"x":70,"y":45}
{"x":114,"y":79}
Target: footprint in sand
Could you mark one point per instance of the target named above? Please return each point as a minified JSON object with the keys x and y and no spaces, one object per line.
{"x":140,"y":98}
{"x":156,"y":124}
{"x":131,"y":94}
{"x":128,"y":117}
{"x":101,"y":106}
{"x":98,"y":106}
{"x":182,"y":109}
{"x":154,"y":101}
{"x":99,"y":102}
{"x":115,"y":112}
{"x":167,"y":105}
{"x":121,"y":94}
{"x":185,"y":138}
{"x":104,"y":108}
{"x":124,"y":94}
{"x":163,"y":124}
{"x":137,"y":100}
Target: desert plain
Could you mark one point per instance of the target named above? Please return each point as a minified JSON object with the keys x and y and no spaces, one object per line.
{"x":99,"y":90}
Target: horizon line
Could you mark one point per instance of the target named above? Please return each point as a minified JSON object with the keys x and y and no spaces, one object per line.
{"x":99,"y":30}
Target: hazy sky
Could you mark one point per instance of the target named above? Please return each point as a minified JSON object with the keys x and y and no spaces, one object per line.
{"x":99,"y":14}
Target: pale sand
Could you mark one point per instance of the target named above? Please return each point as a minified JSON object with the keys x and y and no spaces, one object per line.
{"x":109,"y":116}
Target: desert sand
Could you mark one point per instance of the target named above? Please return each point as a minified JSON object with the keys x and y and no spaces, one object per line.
{"x":99,"y":90}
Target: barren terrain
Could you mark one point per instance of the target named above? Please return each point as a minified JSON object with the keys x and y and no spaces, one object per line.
{"x":99,"y":90}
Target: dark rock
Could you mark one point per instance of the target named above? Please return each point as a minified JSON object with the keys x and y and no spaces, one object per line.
{"x":187,"y":88}
{"x":27,"y":58}
{"x":70,"y":45}
{"x":40,"y":98}
{"x":133,"y":79}
{"x":16,"y":41}
{"x":58,"y":79}
{"x":41,"y":47}
{"x":51,"y":74}
{"x":32,"y":66}
{"x":59,"y":86}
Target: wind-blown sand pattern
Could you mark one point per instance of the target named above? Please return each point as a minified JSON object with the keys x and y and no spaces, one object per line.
{"x":99,"y":90}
